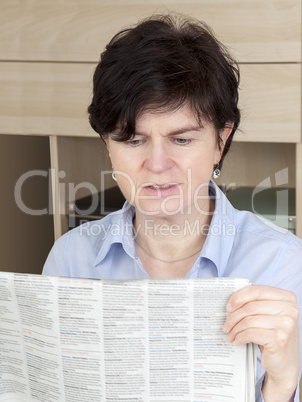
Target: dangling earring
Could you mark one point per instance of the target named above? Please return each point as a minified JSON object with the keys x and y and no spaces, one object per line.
{"x":113,"y":175}
{"x":216,"y":172}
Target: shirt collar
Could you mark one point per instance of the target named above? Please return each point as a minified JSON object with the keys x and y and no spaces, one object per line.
{"x":220,"y":238}
{"x":119,"y":229}
{"x":218,"y":244}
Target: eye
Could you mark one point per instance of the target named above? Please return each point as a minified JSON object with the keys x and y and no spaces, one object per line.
{"x":134,"y":142}
{"x":182,"y":141}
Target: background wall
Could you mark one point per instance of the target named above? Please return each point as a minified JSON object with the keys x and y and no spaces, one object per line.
{"x":48,"y":52}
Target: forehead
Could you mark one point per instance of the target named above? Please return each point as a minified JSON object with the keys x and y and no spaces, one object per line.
{"x":181,"y":117}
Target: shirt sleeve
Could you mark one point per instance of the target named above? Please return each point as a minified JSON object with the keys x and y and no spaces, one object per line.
{"x":259,"y":396}
{"x":288,"y":275}
{"x":258,"y":393}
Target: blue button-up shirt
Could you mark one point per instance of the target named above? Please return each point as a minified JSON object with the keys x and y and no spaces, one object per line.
{"x":239,"y":244}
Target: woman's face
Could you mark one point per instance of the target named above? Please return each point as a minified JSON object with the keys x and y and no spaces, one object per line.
{"x":166,"y":168}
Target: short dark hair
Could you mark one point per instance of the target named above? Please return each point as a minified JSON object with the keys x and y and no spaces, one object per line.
{"x":162,"y":63}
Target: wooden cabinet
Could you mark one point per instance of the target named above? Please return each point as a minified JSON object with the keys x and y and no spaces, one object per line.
{"x":78,"y":30}
{"x":49,"y":50}
{"x":26,"y":228}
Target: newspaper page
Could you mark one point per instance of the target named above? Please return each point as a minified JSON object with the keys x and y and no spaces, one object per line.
{"x":75,"y":340}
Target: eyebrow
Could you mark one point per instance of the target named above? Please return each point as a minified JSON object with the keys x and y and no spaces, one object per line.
{"x":182,"y":130}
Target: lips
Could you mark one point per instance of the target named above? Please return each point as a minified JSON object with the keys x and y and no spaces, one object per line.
{"x":161,"y":189}
{"x":161,"y":186}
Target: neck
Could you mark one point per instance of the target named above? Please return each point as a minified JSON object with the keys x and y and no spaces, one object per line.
{"x":168,"y":246}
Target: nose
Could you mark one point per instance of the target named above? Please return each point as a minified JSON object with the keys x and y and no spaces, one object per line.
{"x":157,"y":158}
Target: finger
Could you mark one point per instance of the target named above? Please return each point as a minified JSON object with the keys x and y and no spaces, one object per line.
{"x":272,"y":308}
{"x":270,"y":339}
{"x":261,"y":322}
{"x":258,"y":292}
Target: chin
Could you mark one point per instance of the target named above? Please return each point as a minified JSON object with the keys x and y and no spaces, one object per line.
{"x":159,"y":208}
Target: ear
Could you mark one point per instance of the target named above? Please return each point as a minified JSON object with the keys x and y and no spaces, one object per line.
{"x":224,"y":135}
{"x":105,"y":138}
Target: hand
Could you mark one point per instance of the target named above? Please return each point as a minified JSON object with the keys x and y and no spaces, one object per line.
{"x":269,"y":317}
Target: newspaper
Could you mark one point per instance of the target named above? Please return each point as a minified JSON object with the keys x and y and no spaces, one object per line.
{"x":75,"y":340}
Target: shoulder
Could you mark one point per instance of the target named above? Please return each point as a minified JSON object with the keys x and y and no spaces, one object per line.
{"x":267,"y":253}
{"x":265,"y":240}
{"x":247,"y":225}
{"x":93,"y":236}
{"x":94,"y":231}
{"x":74,"y":254}
{"x":250,"y":223}
{"x":260,"y":250}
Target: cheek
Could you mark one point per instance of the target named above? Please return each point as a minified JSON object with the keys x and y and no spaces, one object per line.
{"x":203,"y":162}
{"x":128,"y":167}
{"x":127,"y":180}
{"x":126,"y":188}
{"x":123,"y":160}
{"x":127,"y":175}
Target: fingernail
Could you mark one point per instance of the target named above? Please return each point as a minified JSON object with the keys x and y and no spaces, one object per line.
{"x":228,"y":308}
{"x":225,"y":329}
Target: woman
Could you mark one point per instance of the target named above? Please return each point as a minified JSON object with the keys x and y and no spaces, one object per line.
{"x":165,"y":103}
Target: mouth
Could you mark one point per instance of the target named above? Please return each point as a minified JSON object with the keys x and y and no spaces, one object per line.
{"x":161,"y":186}
{"x":161,"y":190}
